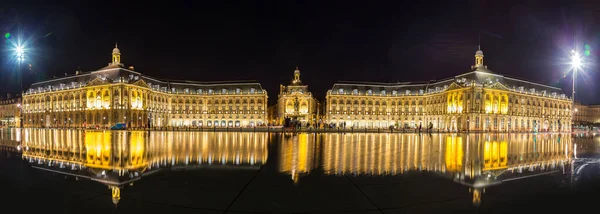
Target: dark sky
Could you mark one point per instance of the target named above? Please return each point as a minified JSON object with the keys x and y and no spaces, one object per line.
{"x":329,"y":41}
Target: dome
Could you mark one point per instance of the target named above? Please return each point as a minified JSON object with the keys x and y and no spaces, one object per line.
{"x":479,"y":52}
{"x":297,"y":71}
{"x":116,"y":49}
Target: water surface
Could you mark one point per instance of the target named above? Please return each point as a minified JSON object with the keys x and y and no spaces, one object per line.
{"x":245,"y":172}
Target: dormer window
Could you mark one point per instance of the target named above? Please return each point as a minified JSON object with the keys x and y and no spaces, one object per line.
{"x":355,"y":91}
{"x":173,"y":90}
{"x":394,"y":92}
{"x":341,"y":91}
{"x":223,"y":91}
{"x":407,"y":92}
{"x":199,"y":91}
{"x":369,"y":92}
{"x":252,"y":90}
{"x":210,"y":91}
{"x":186,"y":90}
{"x":383,"y":93}
{"x":238,"y":90}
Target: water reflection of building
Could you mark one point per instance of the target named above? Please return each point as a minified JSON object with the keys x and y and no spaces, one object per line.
{"x":298,"y":154}
{"x":118,"y":159}
{"x":476,"y":161}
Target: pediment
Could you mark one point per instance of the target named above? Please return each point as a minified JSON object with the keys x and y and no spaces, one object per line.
{"x":96,"y":81}
{"x":453,"y":86}
{"x":141,"y":83}
{"x":498,"y":85}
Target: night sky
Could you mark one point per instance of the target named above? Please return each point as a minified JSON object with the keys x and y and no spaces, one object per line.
{"x":329,"y":41}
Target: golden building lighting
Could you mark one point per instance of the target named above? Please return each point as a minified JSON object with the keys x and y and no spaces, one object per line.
{"x":118,"y":159}
{"x":296,"y":102}
{"x":476,"y":161}
{"x":586,"y":114}
{"x":10,"y":112}
{"x":479,"y":100}
{"x":298,"y":154}
{"x":116,"y":94}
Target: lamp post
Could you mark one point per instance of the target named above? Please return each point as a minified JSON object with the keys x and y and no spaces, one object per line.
{"x":20,"y":57}
{"x":576,"y":63}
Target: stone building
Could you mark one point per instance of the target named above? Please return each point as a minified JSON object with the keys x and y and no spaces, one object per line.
{"x":477,"y":100}
{"x":295,"y":101}
{"x":586,"y":114}
{"x":10,"y":112}
{"x":116,"y":94}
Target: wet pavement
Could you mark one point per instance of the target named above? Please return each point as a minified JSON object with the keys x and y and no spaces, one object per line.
{"x":73,"y":171}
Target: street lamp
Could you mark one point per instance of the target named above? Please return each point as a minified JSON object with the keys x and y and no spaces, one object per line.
{"x":20,"y":57}
{"x":576,"y":64}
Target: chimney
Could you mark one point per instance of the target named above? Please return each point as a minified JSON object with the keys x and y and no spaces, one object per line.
{"x":77,"y":72}
{"x":8,"y":96}
{"x":131,"y":67}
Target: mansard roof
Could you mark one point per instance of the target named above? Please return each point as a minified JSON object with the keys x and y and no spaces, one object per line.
{"x":113,"y":74}
{"x":478,"y":77}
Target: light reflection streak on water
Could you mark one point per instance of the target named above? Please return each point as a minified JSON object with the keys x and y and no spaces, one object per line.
{"x":474,"y":160}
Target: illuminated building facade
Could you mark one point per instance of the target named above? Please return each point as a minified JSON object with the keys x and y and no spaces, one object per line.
{"x":10,"y":112}
{"x":478,"y":100}
{"x":586,"y":114}
{"x":296,"y":102}
{"x":115,"y":94}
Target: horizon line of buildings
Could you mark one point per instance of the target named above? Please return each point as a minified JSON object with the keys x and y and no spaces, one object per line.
{"x":476,"y":100}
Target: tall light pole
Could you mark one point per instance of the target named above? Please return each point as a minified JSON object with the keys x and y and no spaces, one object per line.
{"x":576,"y":62}
{"x":20,"y":53}
{"x":20,"y":57}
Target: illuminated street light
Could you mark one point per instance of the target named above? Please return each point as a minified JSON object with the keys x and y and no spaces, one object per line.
{"x":576,"y":61}
{"x":576,"y":64}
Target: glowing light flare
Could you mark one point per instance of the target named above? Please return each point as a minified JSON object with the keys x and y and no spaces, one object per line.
{"x":576,"y":61}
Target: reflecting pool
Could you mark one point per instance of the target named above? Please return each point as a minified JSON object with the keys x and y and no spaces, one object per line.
{"x":222,"y":172}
